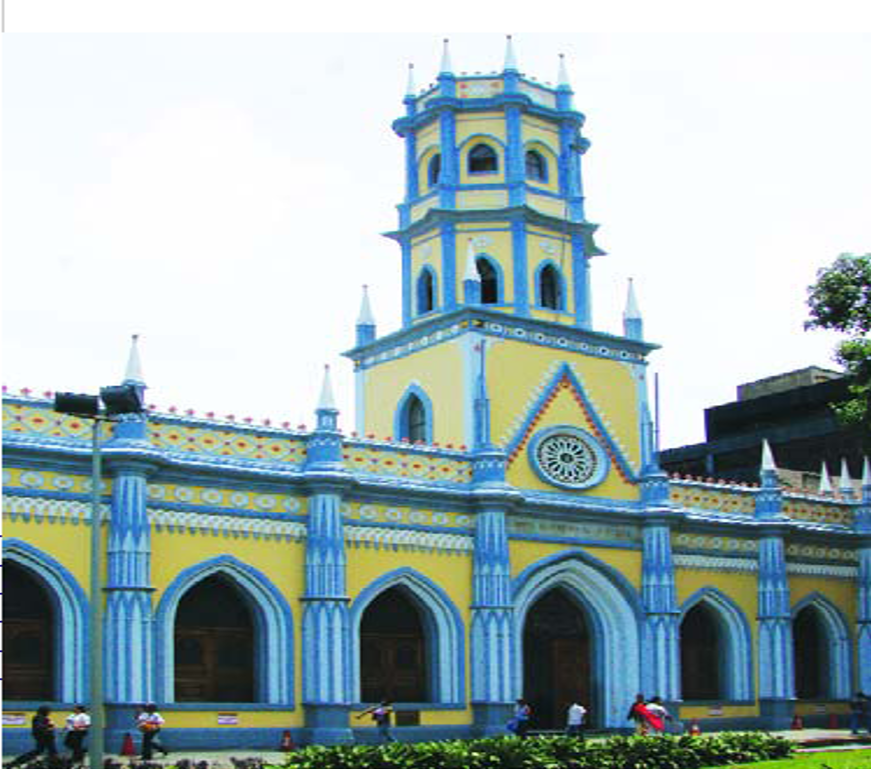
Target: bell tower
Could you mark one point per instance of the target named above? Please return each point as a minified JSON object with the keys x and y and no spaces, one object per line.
{"x":497,"y":350}
{"x":494,"y":161}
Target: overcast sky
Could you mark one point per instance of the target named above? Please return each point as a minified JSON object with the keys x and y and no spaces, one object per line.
{"x":223,"y":196}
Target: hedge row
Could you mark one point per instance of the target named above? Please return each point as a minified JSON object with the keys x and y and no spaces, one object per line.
{"x":660,"y":752}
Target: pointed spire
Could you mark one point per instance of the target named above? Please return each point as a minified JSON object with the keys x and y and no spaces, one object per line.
{"x":510,"y":56}
{"x":133,"y":374}
{"x":767,"y":457}
{"x":563,"y":76}
{"x":365,"y":318}
{"x":327,"y":402}
{"x":410,"y":88}
{"x":471,"y":266}
{"x":845,"y":485}
{"x":866,"y":474}
{"x":825,"y":481}
{"x":446,"y":67}
{"x":631,"y":312}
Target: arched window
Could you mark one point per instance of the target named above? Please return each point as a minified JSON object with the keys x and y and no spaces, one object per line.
{"x":214,"y":644}
{"x":536,"y":166}
{"x":810,"y":643}
{"x":28,"y":636}
{"x":700,"y":654}
{"x":434,"y":169}
{"x":483,"y":160}
{"x":393,"y":650}
{"x":489,"y":281}
{"x":425,"y":292}
{"x":413,"y":420}
{"x":550,"y":288}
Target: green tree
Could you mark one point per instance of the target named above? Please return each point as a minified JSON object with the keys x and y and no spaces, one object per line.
{"x":840,"y":300}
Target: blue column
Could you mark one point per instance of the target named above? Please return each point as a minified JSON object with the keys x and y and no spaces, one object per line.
{"x":450,"y":172}
{"x":412,"y":185}
{"x":515,"y":171}
{"x":521,"y":282}
{"x":862,"y":524}
{"x":449,"y":266}
{"x":660,"y":670}
{"x":326,"y":685}
{"x":407,"y":281}
{"x":128,"y":629}
{"x":581,"y":282}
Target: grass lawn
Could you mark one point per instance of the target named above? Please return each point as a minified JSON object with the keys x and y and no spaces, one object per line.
{"x":841,"y":759}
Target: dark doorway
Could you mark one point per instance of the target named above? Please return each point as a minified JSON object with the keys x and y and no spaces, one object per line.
{"x":700,"y":654}
{"x":214,"y":644}
{"x":556,"y":660}
{"x":393,"y":658}
{"x":28,"y":636}
{"x":811,"y":655}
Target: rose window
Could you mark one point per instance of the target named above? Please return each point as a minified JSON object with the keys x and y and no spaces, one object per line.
{"x":568,"y":457}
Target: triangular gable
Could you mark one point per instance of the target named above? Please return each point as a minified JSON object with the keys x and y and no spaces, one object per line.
{"x":565,"y":377}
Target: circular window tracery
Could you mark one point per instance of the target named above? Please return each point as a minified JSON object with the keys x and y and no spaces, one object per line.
{"x":568,"y":457}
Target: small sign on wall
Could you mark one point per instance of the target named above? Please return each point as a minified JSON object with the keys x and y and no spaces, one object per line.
{"x":715,"y":710}
{"x":820,"y":709}
{"x":228,"y":719}
{"x":14,"y":719}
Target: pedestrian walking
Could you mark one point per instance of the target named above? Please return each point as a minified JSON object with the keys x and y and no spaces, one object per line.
{"x":78,"y":724}
{"x":575,"y":717}
{"x":639,"y":714}
{"x":658,"y":715}
{"x":381,"y":716}
{"x":149,"y":722}
{"x":42,"y":731}
{"x":520,"y":722}
{"x":856,"y":710}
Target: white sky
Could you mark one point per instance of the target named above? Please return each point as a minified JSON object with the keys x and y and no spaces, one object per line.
{"x":222,"y":195}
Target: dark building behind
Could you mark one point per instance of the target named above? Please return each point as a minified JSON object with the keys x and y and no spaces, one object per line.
{"x":793,"y":411}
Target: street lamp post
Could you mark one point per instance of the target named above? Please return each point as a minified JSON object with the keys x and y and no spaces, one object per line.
{"x":124,"y":399}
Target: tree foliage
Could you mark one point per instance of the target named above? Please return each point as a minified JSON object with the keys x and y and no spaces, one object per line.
{"x":840,"y":300}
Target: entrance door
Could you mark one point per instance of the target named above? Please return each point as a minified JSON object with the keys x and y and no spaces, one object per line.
{"x":556,"y":660}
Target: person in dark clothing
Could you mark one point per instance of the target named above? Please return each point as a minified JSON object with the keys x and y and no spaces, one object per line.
{"x":42,"y":729}
{"x":857,"y":709}
{"x":381,"y":716}
{"x":77,"y":729}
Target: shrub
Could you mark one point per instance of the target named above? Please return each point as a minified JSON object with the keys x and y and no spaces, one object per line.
{"x":659,"y":752}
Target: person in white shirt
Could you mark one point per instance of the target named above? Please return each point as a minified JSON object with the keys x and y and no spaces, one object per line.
{"x":78,"y":723}
{"x":656,"y":707}
{"x":575,"y":720}
{"x":149,"y":722}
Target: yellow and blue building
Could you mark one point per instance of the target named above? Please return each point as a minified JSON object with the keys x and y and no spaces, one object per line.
{"x":496,"y":526}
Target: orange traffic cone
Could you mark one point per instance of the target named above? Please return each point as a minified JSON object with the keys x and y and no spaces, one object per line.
{"x":694,"y":727}
{"x":287,"y":741}
{"x":797,"y":723}
{"x":127,"y":748}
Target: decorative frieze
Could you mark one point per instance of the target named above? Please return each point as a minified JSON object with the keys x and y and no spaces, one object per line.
{"x":225,"y":525}
{"x":378,"y":537}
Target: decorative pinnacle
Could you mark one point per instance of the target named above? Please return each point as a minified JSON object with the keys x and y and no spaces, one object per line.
{"x":365,"y":318}
{"x":510,"y":57}
{"x":767,"y":457}
{"x":845,"y":483}
{"x":825,"y":481}
{"x":446,"y":68}
{"x":133,"y":374}
{"x":563,"y":77}
{"x":631,"y":311}
{"x":327,"y":401}
{"x":866,"y":473}
{"x":471,"y":267}
{"x":410,"y":88}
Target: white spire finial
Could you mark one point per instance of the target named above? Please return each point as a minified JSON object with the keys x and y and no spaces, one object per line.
{"x":845,"y":484}
{"x":767,"y":456}
{"x":510,"y":56}
{"x":563,"y":77}
{"x":327,"y":401}
{"x":446,"y":59}
{"x":410,"y":87}
{"x":134,"y":367}
{"x":471,"y":266}
{"x":866,"y":473}
{"x":825,"y":481}
{"x":631,"y":311}
{"x":365,"y":318}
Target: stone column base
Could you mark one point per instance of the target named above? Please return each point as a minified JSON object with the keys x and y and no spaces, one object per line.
{"x":776,"y":715}
{"x":489,"y":718}
{"x":327,"y":725}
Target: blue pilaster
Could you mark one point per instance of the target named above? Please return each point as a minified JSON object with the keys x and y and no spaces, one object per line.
{"x":450,"y":172}
{"x":412,"y":184}
{"x":581,"y":282}
{"x":128,"y":628}
{"x":862,"y":524}
{"x":521,"y":282}
{"x":405,"y":245}
{"x":326,"y":685}
{"x":449,"y":265}
{"x":515,"y":171}
{"x":660,"y":670}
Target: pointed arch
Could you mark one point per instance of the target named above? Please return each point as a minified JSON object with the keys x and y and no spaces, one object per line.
{"x":490,"y":274}
{"x":273,"y":621}
{"x":612,"y":608}
{"x":434,"y":170}
{"x":549,"y":286}
{"x":70,"y":617}
{"x":413,"y":420}
{"x":535,"y":166}
{"x":426,"y":290}
{"x":736,"y":641}
{"x":443,"y":628}
{"x":482,"y":158}
{"x":837,"y":681}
